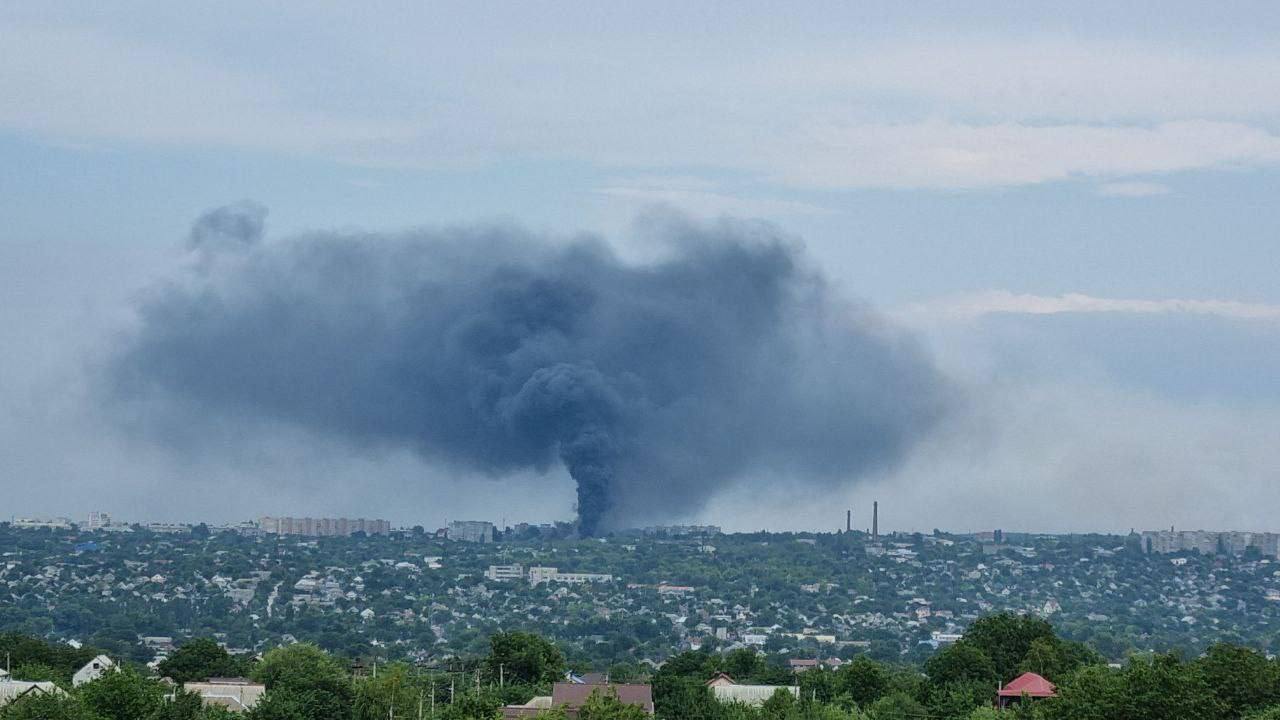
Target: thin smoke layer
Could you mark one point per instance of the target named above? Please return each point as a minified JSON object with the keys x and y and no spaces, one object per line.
{"x":656,"y":385}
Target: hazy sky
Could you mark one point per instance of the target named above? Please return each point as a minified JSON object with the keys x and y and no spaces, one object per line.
{"x":1072,"y":206}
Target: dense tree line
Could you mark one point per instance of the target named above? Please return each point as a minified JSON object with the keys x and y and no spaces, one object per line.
{"x":304,"y":682}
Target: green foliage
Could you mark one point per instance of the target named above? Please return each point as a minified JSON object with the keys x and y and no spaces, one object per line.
{"x":391,"y":694}
{"x":961,"y":663}
{"x":25,"y":651}
{"x":40,"y":706}
{"x":778,"y":705}
{"x":606,"y":706}
{"x":473,"y":706}
{"x":1158,"y":688}
{"x":303,"y":683}
{"x":1242,"y":679}
{"x":522,"y":657}
{"x":37,"y":672}
{"x":956,"y":700}
{"x":200,"y":659}
{"x":1006,"y":639}
{"x":897,"y":706}
{"x":863,"y":680}
{"x":123,"y":694}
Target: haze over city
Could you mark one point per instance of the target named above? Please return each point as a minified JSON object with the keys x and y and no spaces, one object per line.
{"x":988,"y":266}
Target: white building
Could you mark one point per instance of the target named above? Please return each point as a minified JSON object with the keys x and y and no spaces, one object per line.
{"x":92,"y":670}
{"x":505,"y":572}
{"x":235,"y":694}
{"x":477,"y":531}
{"x":58,"y":523}
{"x":97,"y":520}
{"x":550,"y":574}
{"x":11,"y":690}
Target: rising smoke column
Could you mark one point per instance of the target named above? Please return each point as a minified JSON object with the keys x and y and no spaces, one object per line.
{"x":655,"y":385}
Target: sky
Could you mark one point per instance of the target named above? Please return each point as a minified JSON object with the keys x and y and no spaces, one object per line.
{"x":1070,"y":207}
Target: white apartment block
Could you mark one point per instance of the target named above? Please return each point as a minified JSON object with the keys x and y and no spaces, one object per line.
{"x":505,"y":572}
{"x":550,"y":574}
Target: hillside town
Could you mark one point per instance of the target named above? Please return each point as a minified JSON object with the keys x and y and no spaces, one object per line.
{"x":627,"y":599}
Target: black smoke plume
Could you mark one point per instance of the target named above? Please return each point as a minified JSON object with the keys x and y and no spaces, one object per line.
{"x":656,"y":384}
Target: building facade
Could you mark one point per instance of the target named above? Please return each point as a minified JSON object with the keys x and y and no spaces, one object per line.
{"x":477,"y":531}
{"x":322,"y":527}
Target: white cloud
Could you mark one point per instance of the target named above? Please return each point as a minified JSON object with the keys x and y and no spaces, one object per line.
{"x":1054,"y":77}
{"x":80,"y":84}
{"x":1001,"y":301}
{"x":699,"y":199}
{"x":1133,"y":189}
{"x":940,"y":154}
{"x":897,"y":111}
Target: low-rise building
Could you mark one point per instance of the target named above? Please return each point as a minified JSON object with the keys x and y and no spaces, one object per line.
{"x":505,"y":572}
{"x":549,"y":574}
{"x":92,"y":670}
{"x":571,"y":696}
{"x":234,"y":694}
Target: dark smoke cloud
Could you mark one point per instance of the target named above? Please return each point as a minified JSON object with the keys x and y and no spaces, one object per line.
{"x":656,"y":385}
{"x":228,"y":227}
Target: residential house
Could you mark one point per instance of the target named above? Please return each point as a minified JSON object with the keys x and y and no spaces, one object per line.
{"x":92,"y":670}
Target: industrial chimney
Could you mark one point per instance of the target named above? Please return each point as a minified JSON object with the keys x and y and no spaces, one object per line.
{"x":875,"y":520}
{"x":848,"y":520}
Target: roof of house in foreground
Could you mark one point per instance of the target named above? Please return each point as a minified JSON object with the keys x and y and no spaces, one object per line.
{"x":1029,"y":684}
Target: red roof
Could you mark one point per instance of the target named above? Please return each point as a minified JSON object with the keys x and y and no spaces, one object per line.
{"x":573,"y":695}
{"x":1029,"y":684}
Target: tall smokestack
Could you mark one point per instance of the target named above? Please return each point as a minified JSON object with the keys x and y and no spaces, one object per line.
{"x":875,"y":520}
{"x":848,"y":520}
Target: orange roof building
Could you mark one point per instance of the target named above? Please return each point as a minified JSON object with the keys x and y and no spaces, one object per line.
{"x":1028,"y":685}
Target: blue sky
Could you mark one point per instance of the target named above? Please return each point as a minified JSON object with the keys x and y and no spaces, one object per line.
{"x":1073,"y":207}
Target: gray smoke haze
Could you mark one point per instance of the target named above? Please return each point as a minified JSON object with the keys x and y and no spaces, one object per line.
{"x":492,"y":349}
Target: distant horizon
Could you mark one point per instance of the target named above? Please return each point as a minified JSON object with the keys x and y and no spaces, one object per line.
{"x":82,"y":519}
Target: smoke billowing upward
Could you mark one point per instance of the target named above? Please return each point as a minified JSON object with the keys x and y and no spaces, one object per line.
{"x":656,"y":385}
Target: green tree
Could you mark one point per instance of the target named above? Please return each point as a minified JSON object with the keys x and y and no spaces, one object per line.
{"x":897,"y":706}
{"x":473,"y":706}
{"x":51,"y":706}
{"x":524,"y":657}
{"x":122,"y":694}
{"x":741,"y":664}
{"x":38,"y":672}
{"x":1242,"y":679}
{"x":601,"y":705}
{"x":960,"y":663}
{"x":200,"y":659}
{"x":863,"y":679}
{"x":1006,"y":638}
{"x":391,"y":694}
{"x":957,"y":700}
{"x":303,"y":683}
{"x":778,"y":705}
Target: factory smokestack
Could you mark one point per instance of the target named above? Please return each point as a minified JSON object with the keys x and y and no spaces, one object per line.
{"x":875,"y":520}
{"x":848,"y":520}
{"x":505,"y":354}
